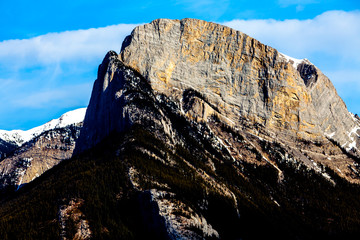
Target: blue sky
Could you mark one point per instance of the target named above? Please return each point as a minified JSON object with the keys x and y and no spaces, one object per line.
{"x":50,"y":50}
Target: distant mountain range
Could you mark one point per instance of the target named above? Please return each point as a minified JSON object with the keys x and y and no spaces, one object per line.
{"x":19,"y":137}
{"x":193,"y":131}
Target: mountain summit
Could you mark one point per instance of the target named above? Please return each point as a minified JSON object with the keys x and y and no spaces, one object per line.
{"x":197,"y":131}
{"x":206,"y":70}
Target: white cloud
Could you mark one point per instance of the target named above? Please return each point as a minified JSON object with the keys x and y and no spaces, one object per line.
{"x":52,"y":72}
{"x":80,"y":45}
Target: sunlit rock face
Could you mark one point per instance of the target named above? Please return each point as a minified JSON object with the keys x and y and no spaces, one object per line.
{"x":242,"y":77}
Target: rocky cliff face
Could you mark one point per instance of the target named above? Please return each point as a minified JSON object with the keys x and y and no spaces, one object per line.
{"x":219,"y":104}
{"x":242,"y":77}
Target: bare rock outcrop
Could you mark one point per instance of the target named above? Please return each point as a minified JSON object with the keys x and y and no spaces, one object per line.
{"x":181,"y":222}
{"x":71,"y":218}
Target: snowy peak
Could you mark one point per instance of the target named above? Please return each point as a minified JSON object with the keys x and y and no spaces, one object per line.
{"x":71,"y":117}
{"x":19,"y":136}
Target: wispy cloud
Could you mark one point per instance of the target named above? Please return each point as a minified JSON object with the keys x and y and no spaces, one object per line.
{"x":51,"y":72}
{"x":62,"y":97}
{"x":81,"y":45}
{"x":300,"y":4}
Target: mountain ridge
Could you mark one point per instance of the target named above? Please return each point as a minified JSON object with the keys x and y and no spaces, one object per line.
{"x":20,"y":137}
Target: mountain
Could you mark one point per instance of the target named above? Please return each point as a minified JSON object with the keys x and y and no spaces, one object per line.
{"x":34,"y":151}
{"x":210,"y":70}
{"x":197,"y":131}
{"x":19,"y":137}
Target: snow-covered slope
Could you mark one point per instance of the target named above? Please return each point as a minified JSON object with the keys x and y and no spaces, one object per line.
{"x":19,"y":136}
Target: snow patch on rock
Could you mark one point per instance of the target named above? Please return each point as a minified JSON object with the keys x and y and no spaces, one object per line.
{"x":294,"y":61}
{"x":353,"y":132}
